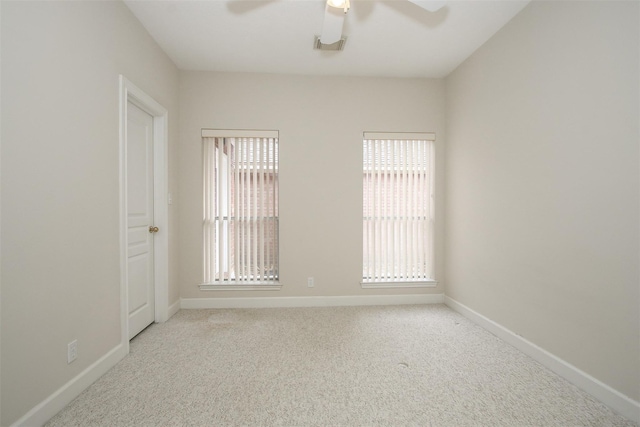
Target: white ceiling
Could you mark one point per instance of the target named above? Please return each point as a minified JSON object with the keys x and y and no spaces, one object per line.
{"x":385,"y":38}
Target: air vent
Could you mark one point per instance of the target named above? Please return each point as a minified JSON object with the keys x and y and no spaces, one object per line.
{"x":339,"y":45}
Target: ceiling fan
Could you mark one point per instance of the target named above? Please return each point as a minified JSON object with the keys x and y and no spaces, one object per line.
{"x":335,"y":12}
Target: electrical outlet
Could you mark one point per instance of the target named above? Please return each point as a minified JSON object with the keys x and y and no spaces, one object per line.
{"x":72,"y":351}
{"x":310,"y":283}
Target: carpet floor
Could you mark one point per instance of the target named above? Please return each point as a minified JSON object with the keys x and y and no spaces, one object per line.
{"x":419,"y":365}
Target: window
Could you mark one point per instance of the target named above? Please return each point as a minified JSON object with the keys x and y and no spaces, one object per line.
{"x":397,"y":210}
{"x":240,"y":213}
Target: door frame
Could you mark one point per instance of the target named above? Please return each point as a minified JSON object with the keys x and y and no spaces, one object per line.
{"x":131,"y":93}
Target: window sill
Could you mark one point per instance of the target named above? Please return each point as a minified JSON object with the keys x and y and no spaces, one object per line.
{"x":241,"y":286}
{"x":399,"y":284}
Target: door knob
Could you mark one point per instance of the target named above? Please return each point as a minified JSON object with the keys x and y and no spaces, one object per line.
{"x":153,"y":229}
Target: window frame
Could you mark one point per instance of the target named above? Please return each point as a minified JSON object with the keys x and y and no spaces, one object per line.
{"x":230,"y":285}
{"x":428,"y":282}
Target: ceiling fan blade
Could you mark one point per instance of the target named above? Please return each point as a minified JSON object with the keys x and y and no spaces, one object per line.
{"x":430,"y":5}
{"x":332,"y":25}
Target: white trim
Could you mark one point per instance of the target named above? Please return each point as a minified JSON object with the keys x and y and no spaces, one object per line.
{"x":161,"y":213}
{"x":239,"y":133}
{"x":53,"y":404}
{"x":230,"y":286}
{"x":130,"y":92}
{"x":174,"y":308}
{"x":388,"y":285}
{"x":402,"y":136}
{"x":606,"y":394}
{"x":334,"y":301}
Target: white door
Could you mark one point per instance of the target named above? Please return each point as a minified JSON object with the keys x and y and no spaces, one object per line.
{"x":140,"y":227}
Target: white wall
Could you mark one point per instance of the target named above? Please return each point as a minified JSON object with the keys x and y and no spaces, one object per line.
{"x":60,"y":262}
{"x":321,"y":120}
{"x":542,"y":189}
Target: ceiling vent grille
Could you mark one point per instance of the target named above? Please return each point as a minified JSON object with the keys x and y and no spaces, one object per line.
{"x":337,"y":46}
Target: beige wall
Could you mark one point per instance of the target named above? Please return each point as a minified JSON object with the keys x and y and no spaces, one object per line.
{"x":542,"y":187}
{"x":60,"y":250}
{"x":321,"y":120}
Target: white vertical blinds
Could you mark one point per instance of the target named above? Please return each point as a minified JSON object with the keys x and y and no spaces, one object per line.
{"x":397,"y":209}
{"x":240,"y":224}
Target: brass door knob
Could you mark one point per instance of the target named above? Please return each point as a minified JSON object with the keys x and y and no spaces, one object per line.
{"x":153,"y":229}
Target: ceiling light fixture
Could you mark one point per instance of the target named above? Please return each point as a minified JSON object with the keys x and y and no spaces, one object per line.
{"x":339,"y":4}
{"x":334,"y":13}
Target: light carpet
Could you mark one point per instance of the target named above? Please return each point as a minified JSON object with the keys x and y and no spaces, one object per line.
{"x":419,"y":365}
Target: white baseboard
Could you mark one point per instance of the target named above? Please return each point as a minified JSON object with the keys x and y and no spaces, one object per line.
{"x":606,"y":394}
{"x":173,"y":308}
{"x":53,"y":404}
{"x":332,"y":301}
